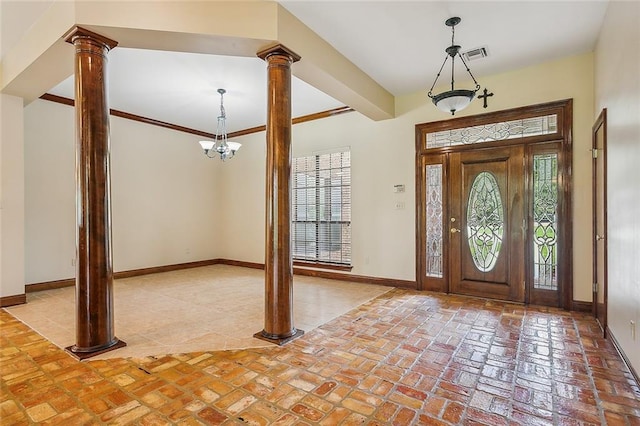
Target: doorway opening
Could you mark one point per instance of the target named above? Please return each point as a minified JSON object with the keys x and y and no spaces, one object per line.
{"x":493,"y":205}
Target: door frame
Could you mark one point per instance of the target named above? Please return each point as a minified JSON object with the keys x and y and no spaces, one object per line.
{"x":600,"y":125}
{"x":563,"y":110}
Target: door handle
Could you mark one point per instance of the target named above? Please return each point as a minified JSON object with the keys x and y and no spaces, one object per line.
{"x":454,"y":230}
{"x":599,"y":237}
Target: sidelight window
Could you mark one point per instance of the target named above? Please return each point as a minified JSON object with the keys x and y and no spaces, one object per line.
{"x":545,"y":221}
{"x":434,"y":220}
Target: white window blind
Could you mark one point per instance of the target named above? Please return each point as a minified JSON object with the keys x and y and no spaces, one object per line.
{"x":321,"y":210}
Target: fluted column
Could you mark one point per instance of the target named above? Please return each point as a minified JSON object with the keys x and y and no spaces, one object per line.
{"x":278,"y":327}
{"x":94,"y":268}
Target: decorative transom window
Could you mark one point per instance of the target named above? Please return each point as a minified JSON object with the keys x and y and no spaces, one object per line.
{"x":321,"y":208}
{"x":521,"y":128}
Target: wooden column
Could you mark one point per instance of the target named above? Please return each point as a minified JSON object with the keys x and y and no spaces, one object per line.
{"x":278,"y":327}
{"x":94,"y":269}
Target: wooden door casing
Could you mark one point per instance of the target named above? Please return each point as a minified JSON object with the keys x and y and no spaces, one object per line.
{"x":599,"y":139}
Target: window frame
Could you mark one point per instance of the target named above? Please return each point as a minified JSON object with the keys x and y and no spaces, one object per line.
{"x":344,"y":187}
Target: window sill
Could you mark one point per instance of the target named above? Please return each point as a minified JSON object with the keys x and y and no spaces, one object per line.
{"x":321,"y":265}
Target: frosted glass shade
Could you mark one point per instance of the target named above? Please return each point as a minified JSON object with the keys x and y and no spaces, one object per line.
{"x":453,"y":100}
{"x":207,"y":145}
{"x":234,"y":146}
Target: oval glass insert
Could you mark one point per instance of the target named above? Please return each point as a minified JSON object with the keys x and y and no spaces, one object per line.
{"x":485,"y":221}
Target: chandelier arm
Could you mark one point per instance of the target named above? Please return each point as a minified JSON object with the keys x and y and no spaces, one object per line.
{"x":430,"y":94}
{"x":469,"y":71}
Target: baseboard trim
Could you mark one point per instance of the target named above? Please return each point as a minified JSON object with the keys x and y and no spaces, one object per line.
{"x":576,"y":305}
{"x":49,"y":285}
{"x":240,"y":263}
{"x":580,"y":306}
{"x":18,"y":299}
{"x":165,"y":268}
{"x":389,"y":282}
{"x":70,"y":282}
{"x":634,"y":373}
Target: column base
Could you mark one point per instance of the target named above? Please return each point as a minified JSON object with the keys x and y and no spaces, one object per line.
{"x":262,"y":335}
{"x":82,"y":355}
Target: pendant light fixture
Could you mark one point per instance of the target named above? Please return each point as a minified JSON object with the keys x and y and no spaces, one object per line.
{"x":453,"y":100}
{"x":221,"y":145}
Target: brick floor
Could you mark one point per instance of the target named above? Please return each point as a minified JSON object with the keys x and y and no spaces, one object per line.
{"x":403,"y":358}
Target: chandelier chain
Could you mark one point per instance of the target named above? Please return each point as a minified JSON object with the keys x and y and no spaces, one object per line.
{"x":430,"y":94}
{"x":469,"y":71}
{"x":222,"y":111}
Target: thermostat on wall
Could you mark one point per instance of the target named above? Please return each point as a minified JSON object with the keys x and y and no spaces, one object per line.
{"x":398,"y":188}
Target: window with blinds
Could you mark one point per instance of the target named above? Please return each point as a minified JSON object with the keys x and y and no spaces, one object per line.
{"x":321,"y":210}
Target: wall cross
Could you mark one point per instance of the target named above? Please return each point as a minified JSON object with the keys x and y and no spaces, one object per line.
{"x":484,"y":97}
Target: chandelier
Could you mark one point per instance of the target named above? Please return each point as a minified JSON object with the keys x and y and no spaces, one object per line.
{"x":221,"y":145}
{"x":453,"y":100}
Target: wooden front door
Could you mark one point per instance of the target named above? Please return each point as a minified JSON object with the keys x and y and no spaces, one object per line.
{"x":493,"y":205}
{"x":486,"y":223}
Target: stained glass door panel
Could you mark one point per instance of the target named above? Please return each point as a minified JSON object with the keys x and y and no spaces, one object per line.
{"x":486,"y":223}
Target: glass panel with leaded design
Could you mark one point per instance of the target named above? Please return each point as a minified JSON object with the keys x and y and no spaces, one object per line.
{"x":545,"y":221}
{"x":504,"y":130}
{"x":485,"y":221}
{"x":434,"y":220}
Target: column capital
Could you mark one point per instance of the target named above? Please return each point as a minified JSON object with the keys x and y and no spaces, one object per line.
{"x":278,"y":49}
{"x":76,"y":32}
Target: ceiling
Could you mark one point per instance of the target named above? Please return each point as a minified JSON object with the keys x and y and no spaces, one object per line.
{"x":400,"y":44}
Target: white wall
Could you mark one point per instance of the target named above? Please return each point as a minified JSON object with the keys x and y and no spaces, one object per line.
{"x":164,"y":195}
{"x":242,"y":184}
{"x":12,"y":188}
{"x":617,"y":88}
{"x":383,"y":155}
{"x":50,"y":196}
{"x":379,"y":232}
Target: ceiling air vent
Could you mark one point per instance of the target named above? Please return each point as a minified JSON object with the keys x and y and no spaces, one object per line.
{"x":477,"y":53}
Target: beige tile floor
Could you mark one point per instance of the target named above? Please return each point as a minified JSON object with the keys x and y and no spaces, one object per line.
{"x":210,"y":308}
